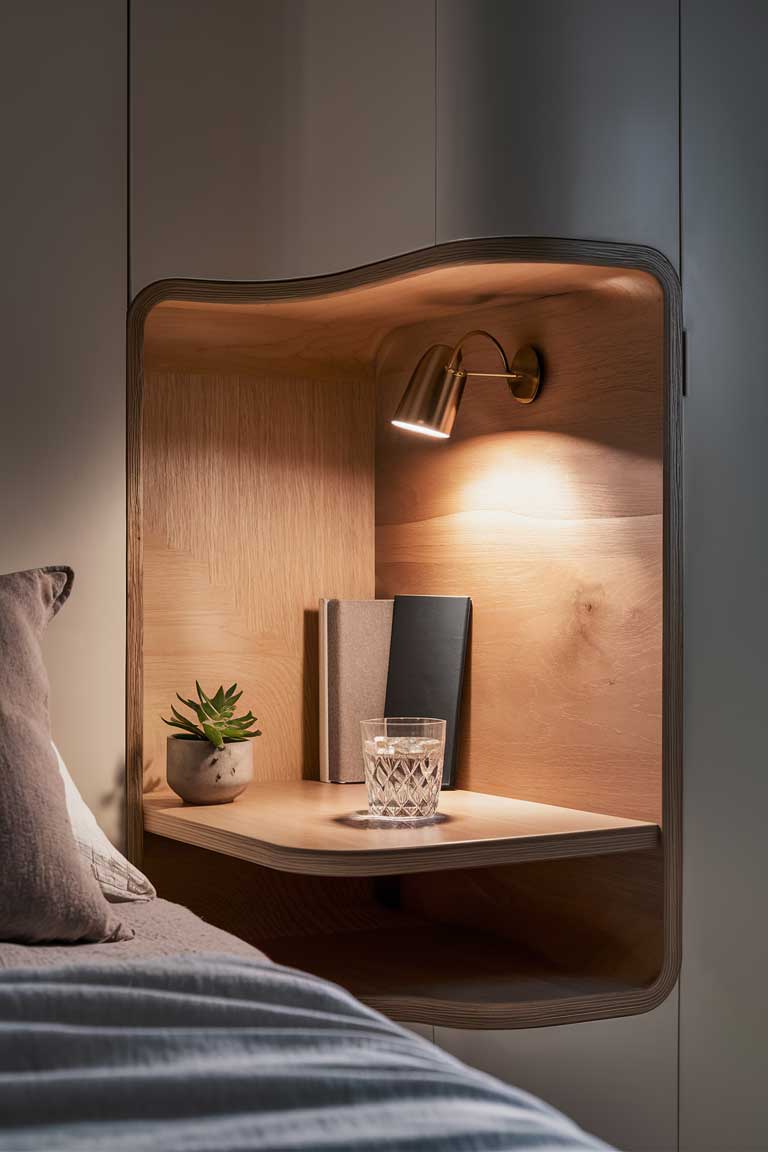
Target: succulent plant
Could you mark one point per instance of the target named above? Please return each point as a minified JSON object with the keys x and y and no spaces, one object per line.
{"x":217,"y":721}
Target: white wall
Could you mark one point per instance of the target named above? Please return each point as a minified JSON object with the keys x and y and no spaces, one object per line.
{"x":62,"y":317}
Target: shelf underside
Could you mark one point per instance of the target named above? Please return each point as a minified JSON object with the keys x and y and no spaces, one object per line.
{"x":514,"y":945}
{"x":312,"y":828}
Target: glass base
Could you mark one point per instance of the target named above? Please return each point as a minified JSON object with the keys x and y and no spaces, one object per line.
{"x":365,"y":819}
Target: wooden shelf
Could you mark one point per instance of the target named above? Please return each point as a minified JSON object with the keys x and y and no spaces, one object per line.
{"x":413,"y":969}
{"x":315,"y":829}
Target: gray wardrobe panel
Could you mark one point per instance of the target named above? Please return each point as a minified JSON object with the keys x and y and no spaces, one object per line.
{"x":558,"y":118}
{"x":616,"y":1078}
{"x":62,"y":303}
{"x":280,"y":138}
{"x":724,"y":995}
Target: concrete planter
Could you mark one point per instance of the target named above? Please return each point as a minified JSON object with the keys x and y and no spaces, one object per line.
{"x":202,"y":774}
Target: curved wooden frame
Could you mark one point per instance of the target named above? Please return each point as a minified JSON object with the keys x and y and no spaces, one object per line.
{"x":508,"y":250}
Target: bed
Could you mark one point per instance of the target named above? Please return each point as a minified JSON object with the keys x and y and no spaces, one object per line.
{"x":188,"y":1038}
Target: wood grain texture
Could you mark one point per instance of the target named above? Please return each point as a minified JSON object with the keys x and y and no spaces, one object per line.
{"x":551,"y":518}
{"x":258,"y":500}
{"x":344,"y":329}
{"x":255,"y":902}
{"x":313,"y":828}
{"x":511,"y":260}
{"x":472,"y":980}
{"x":462,"y":980}
{"x":597,"y":916}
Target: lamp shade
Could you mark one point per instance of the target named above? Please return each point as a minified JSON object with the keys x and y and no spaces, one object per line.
{"x":431,"y":400}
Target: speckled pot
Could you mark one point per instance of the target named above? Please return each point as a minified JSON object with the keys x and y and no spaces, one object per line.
{"x":202,"y":774}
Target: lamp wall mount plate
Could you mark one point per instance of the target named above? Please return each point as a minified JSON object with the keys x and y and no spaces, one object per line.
{"x":526,"y":375}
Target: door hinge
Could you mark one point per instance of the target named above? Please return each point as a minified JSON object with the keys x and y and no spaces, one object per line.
{"x":685,"y":363}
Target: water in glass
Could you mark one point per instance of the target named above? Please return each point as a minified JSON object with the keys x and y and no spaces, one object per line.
{"x":403,"y":767}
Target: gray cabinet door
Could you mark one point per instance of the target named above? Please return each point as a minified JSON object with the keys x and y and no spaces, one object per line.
{"x":616,"y":1078}
{"x":724,"y":998}
{"x":279,"y":138}
{"x":558,"y":118}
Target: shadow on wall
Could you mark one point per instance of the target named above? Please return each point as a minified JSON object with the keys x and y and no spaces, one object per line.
{"x":112,"y":802}
{"x":310,"y":736}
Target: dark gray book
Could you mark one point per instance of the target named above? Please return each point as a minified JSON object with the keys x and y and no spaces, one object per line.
{"x":426,"y":664}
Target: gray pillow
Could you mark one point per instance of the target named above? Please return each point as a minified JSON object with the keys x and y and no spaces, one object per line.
{"x":46,"y":893}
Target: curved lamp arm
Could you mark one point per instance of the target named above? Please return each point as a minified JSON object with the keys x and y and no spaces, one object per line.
{"x":455,"y":360}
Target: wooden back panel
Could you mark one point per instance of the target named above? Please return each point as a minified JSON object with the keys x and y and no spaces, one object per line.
{"x":550,"y":518}
{"x":258,"y":500}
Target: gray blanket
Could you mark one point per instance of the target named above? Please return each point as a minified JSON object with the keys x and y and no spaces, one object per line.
{"x":230,"y":1054}
{"x":161,"y":929}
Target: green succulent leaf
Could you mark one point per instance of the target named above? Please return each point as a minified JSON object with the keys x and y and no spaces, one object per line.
{"x":188,"y":703}
{"x":194,"y":707}
{"x":217,"y":722}
{"x":190,"y":735}
{"x":246,"y":718}
{"x":214,"y":735}
{"x":182,"y":719}
{"x":206,"y":704}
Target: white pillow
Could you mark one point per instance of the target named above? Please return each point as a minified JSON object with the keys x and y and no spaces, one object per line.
{"x":118,"y":878}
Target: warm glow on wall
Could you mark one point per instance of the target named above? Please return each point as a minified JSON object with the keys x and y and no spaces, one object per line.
{"x":524,"y":475}
{"x":552,"y":476}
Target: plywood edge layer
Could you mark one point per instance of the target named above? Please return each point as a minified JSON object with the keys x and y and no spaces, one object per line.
{"x":571,"y":1009}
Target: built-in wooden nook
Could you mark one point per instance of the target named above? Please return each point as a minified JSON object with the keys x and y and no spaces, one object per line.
{"x":264,"y":474}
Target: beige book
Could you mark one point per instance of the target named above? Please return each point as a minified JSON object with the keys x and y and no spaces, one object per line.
{"x":354,"y":659}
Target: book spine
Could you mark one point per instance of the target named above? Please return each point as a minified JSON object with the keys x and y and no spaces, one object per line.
{"x":325,"y":754}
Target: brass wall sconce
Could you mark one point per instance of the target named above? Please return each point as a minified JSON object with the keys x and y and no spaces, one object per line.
{"x":431,"y":400}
